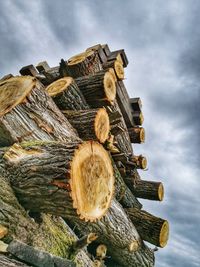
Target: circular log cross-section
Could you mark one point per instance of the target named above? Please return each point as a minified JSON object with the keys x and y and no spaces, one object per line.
{"x":151,"y":229}
{"x":117,"y":66}
{"x":90,"y":124}
{"x":53,"y":177}
{"x":67,"y":95}
{"x":137,"y":135}
{"x":84,"y":64}
{"x":98,"y":89}
{"x":139,"y":161}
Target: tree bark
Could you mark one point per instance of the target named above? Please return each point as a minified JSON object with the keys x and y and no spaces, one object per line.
{"x":136,"y":103}
{"x":116,"y":231}
{"x":84,"y":64}
{"x":67,"y":95}
{"x":27,"y":112}
{"x":138,"y":117}
{"x":137,"y":135}
{"x":140,"y":162}
{"x":98,"y":89}
{"x":57,"y":178}
{"x":52,"y":234}
{"x":149,"y":190}
{"x":151,"y":229}
{"x":6,"y":261}
{"x":92,"y":124}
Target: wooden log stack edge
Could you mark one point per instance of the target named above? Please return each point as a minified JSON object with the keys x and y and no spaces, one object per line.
{"x":67,"y":161}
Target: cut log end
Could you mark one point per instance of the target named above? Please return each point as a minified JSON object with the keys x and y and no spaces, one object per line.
{"x":164,"y":234}
{"x":140,"y":162}
{"x":102,"y":125}
{"x":59,"y":86}
{"x":109,"y":86}
{"x":119,"y":69}
{"x":80,"y":57}
{"x":3,"y":231}
{"x":92,"y":181}
{"x":13,"y":92}
{"x":160,"y":192}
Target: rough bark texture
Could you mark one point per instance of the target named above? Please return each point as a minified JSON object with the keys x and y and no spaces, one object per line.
{"x":67,"y":95}
{"x":152,"y":229}
{"x":84,"y":64}
{"x":55,"y":178}
{"x":32,"y":115}
{"x":90,"y":124}
{"x":149,"y":190}
{"x":52,"y":234}
{"x":137,"y":134}
{"x":98,"y":89}
{"x":122,"y":193}
{"x":116,"y":231}
{"x":6,"y":261}
{"x":138,"y":117}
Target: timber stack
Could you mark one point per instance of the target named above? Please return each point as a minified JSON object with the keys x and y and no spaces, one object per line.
{"x":69,"y":176}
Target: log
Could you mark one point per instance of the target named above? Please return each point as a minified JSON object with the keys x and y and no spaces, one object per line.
{"x":106,"y":49}
{"x":6,"y":261}
{"x":3,"y":231}
{"x":36,"y":257}
{"x":118,"y":234}
{"x":67,"y":95}
{"x":6,"y":77}
{"x":28,"y":70}
{"x":116,"y":54}
{"x":136,"y":103}
{"x":140,"y":162}
{"x":52,"y":235}
{"x":138,"y":117}
{"x":122,"y":193}
{"x":151,"y":229}
{"x":27,"y":112}
{"x":117,"y":66}
{"x":42,"y":66}
{"x":124,"y":104}
{"x":58,"y":178}
{"x":149,"y":190}
{"x":92,"y":124}
{"x":98,"y":89}
{"x":137,"y":135}
{"x":84,"y":64}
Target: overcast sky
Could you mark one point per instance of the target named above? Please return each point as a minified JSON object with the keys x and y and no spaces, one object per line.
{"x":162,"y":42}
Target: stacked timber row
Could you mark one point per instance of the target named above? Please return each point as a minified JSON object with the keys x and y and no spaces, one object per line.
{"x":67,"y":162}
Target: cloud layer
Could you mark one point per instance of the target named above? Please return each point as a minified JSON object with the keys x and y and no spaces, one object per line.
{"x":162,"y":41}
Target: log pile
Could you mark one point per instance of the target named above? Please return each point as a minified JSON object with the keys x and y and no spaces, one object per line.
{"x":69,"y":175}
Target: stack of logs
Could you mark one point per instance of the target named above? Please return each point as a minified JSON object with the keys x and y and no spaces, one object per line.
{"x":69,"y":176}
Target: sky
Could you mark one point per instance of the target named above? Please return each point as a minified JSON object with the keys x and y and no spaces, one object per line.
{"x":162,"y":42}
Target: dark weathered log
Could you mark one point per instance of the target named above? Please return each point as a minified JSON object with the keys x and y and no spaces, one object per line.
{"x":138,"y":117}
{"x":117,"y":66}
{"x":137,"y":135}
{"x":122,"y":193}
{"x":84,"y":64}
{"x":136,"y":103}
{"x":27,"y":112}
{"x":98,"y":89}
{"x":67,"y":95}
{"x":42,"y":66}
{"x":123,"y":102}
{"x":120,"y":55}
{"x":92,"y":124}
{"x":36,"y":257}
{"x":116,"y":231}
{"x":28,"y":70}
{"x":151,"y":229}
{"x":122,"y":138}
{"x":6,"y":261}
{"x":51,"y":235}
{"x":54,"y":178}
{"x":64,"y":70}
{"x":51,"y":75}
{"x":106,"y":49}
{"x":149,"y":190}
